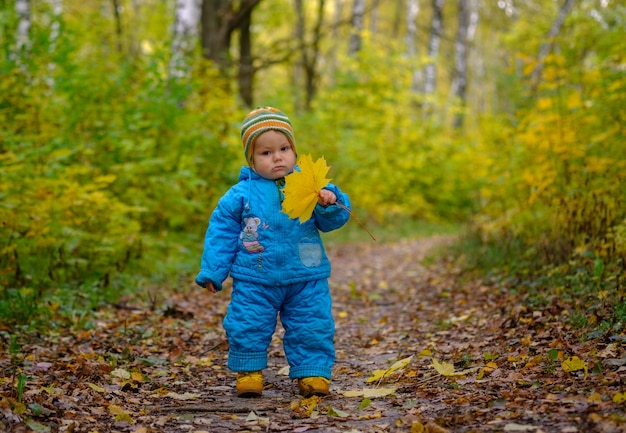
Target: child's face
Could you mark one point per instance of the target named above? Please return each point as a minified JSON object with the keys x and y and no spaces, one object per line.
{"x":273,"y":156}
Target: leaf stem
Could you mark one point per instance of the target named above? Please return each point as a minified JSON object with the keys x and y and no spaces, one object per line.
{"x":358,"y":220}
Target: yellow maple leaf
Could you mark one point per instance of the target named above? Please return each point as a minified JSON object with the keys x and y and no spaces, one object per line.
{"x":302,"y":187}
{"x":619,"y":397}
{"x":447,"y":369}
{"x":369,"y":392}
{"x":378,"y":375}
{"x":443,"y":368}
{"x":574,"y":364}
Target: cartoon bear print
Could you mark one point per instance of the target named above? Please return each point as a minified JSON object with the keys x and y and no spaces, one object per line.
{"x":249,"y":236}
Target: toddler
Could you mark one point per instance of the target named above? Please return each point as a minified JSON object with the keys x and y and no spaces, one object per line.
{"x":278,"y":265}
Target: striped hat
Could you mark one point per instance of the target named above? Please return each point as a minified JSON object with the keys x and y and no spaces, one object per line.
{"x":263,"y":119}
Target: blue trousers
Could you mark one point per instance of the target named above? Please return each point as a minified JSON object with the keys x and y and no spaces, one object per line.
{"x":305,"y":313}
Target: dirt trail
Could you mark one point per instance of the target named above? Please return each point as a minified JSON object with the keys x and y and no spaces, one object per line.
{"x":163,"y":369}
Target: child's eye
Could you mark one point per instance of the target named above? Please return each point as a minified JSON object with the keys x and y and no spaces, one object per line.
{"x":285,"y":148}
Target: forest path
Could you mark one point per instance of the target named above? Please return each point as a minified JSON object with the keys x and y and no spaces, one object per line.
{"x":161,"y":367}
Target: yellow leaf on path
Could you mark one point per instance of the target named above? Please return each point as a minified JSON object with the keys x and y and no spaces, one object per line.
{"x":124,"y":417}
{"x":137,"y":376}
{"x":378,"y":375}
{"x":595,"y":398}
{"x":417,"y":427}
{"x":370,"y":392}
{"x":333,"y":411}
{"x":619,"y":397}
{"x":443,"y":368}
{"x":120,"y":414}
{"x":96,"y":387}
{"x":185,"y":396}
{"x":447,"y":369}
{"x":120,"y":373}
{"x":302,"y":187}
{"x":425,"y":352}
{"x":574,"y":364}
{"x":254,"y":418}
{"x":115,"y":409}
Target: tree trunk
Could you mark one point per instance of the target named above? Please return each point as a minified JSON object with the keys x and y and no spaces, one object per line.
{"x":299,"y":66}
{"x":412,"y":10}
{"x":335,"y":36}
{"x":374,"y":17}
{"x":397,"y":18}
{"x":459,"y":80}
{"x":55,"y":33}
{"x":246,"y":71}
{"x":436,"y":28}
{"x":216,"y":30}
{"x":22,"y":42}
{"x":219,"y":20}
{"x":309,"y":53}
{"x":535,"y":76}
{"x":184,"y":32}
{"x":118,"y":25}
{"x":358,"y":11}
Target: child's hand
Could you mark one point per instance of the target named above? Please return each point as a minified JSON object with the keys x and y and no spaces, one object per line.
{"x":326,"y":198}
{"x":210,"y":287}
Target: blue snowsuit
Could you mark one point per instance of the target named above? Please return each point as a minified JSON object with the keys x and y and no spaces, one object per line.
{"x":278,"y":266}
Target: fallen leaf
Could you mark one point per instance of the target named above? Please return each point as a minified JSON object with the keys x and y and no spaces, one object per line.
{"x":417,"y":427}
{"x":574,"y":364}
{"x":370,"y":392}
{"x":447,"y":369}
{"x":378,"y":375}
{"x":185,"y":396}
{"x":619,"y":397}
{"x":96,"y":388}
{"x":115,"y":409}
{"x":337,"y":412}
{"x":443,"y":368}
{"x":519,"y":427}
{"x":37,"y":427}
{"x":120,"y":373}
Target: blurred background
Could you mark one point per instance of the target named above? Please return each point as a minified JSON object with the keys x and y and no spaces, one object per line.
{"x":503,"y":121}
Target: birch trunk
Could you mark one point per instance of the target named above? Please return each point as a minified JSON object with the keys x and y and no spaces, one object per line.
{"x":430,"y":71}
{"x":55,"y":32}
{"x":459,"y":80}
{"x":358,"y":12}
{"x":412,"y":10}
{"x":374,"y":17}
{"x":184,"y":32}
{"x":22,"y":42}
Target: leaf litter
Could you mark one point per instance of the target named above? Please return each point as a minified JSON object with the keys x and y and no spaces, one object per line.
{"x":421,"y":347}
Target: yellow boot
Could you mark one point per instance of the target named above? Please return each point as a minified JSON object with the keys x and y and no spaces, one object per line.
{"x":250,"y":384}
{"x":310,"y":386}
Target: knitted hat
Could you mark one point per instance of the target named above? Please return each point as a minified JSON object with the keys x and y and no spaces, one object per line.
{"x":263,"y":119}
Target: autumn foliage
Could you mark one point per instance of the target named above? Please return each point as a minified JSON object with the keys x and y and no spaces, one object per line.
{"x":110,"y":168}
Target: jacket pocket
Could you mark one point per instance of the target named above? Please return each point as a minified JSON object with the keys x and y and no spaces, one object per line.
{"x":310,"y":252}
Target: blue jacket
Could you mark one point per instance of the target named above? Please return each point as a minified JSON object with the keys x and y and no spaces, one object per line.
{"x":253,"y":240}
